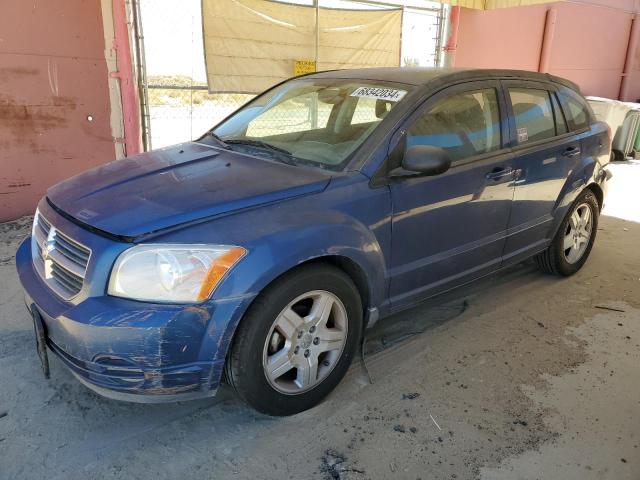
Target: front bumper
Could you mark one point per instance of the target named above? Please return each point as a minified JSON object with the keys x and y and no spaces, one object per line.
{"x":131,"y":350}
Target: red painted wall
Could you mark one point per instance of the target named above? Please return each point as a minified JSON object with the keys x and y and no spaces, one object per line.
{"x":53,"y":76}
{"x":588,"y":47}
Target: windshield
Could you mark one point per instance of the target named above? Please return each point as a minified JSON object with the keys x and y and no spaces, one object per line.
{"x":310,"y":121}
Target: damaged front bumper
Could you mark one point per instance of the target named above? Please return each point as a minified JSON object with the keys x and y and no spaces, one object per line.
{"x":135,"y":351}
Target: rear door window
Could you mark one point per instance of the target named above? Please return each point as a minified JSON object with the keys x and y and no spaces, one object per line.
{"x":533,"y":114}
{"x":465,"y":124}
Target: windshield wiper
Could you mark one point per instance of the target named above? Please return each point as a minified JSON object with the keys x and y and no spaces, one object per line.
{"x":265,"y":146}
{"x":257,"y":143}
{"x":220,"y":142}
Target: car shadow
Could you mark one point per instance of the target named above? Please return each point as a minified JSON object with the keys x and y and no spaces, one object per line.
{"x":389,"y":332}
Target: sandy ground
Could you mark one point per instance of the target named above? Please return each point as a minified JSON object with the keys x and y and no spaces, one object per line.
{"x":522,"y":376}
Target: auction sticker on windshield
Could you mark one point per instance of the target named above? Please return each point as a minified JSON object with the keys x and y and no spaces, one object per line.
{"x":379,"y":93}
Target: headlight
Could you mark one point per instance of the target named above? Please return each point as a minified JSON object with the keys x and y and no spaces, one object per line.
{"x":172,"y":273}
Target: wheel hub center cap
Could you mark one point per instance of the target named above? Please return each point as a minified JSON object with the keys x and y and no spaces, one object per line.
{"x":307,"y":338}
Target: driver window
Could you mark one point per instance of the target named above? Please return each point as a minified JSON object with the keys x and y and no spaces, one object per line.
{"x":465,"y":124}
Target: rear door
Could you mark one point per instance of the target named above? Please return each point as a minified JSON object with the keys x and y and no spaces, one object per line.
{"x":450,"y":228}
{"x":545,"y":151}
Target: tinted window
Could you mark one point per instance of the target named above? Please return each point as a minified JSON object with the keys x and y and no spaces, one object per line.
{"x":533,"y":114}
{"x":576,"y":109}
{"x":465,"y":125}
{"x":561,"y":123}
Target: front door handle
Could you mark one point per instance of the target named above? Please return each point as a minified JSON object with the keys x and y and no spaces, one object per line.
{"x":571,"y":152}
{"x":499,"y":172}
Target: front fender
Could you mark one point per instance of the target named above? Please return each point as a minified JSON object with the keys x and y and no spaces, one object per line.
{"x":349,"y":220}
{"x":322,"y":235}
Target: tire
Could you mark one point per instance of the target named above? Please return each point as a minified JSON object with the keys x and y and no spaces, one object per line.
{"x":556,"y":259}
{"x":617,"y":156}
{"x":267,"y":337}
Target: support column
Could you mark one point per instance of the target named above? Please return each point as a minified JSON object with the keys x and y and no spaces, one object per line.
{"x":547,"y":40}
{"x":128,"y":87}
{"x":452,"y":43}
{"x":632,"y":49}
{"x":115,"y":99}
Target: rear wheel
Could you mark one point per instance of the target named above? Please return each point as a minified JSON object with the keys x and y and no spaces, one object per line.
{"x":572,"y":244}
{"x":296,"y":341}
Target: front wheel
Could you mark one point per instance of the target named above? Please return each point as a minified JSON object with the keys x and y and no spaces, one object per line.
{"x":296,"y":341}
{"x":572,"y":244}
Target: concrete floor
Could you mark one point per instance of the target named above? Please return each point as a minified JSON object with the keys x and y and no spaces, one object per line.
{"x":532,"y":380}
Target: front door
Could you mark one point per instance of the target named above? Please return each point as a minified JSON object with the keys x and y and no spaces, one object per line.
{"x":450,"y":228}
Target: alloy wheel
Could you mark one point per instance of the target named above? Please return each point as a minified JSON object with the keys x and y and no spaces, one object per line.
{"x":305,"y":342}
{"x":578,"y":233}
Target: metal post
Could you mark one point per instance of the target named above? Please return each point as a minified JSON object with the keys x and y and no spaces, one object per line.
{"x":401,"y":28}
{"x":547,"y":40}
{"x":314,"y":101}
{"x":440,"y":35}
{"x":141,"y":71}
{"x":316,"y":5}
{"x":452,"y":44}
{"x":632,"y":49}
{"x":125,"y":75}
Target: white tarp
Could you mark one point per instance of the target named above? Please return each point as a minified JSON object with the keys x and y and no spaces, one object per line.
{"x":251,"y":45}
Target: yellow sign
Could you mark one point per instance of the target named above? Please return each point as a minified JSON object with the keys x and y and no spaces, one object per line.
{"x":301,"y":67}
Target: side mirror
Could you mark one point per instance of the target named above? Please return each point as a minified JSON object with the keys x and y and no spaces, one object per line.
{"x":426,"y":160}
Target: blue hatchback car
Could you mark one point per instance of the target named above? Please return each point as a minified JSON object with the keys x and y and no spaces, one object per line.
{"x":260,"y":252}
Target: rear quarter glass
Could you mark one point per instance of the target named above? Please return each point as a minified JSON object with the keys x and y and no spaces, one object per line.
{"x":577,"y":110}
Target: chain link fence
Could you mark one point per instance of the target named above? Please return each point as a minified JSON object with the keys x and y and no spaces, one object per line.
{"x":184,"y":112}
{"x":179,"y":106}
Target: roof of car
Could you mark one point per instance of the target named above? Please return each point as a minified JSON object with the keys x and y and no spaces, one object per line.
{"x":424,"y":75}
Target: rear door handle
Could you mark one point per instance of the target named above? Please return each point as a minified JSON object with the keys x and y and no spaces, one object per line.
{"x":499,"y":172}
{"x":571,"y":152}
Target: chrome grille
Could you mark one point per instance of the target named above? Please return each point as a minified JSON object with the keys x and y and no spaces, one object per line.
{"x":60,"y":260}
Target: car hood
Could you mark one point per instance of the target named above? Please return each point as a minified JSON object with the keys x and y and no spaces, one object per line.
{"x":177,"y":185}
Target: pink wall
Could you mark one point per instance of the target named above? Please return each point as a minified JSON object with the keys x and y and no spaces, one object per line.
{"x":589,"y":44}
{"x":53,"y":75}
{"x":502,"y":38}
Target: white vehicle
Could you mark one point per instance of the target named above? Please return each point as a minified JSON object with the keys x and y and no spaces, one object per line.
{"x":624,"y":120}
